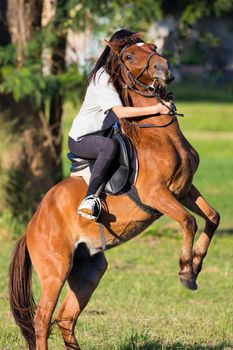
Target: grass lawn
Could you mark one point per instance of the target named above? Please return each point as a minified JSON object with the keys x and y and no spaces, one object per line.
{"x":140,"y":304}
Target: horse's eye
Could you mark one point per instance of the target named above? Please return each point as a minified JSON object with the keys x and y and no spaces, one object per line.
{"x":129,"y":57}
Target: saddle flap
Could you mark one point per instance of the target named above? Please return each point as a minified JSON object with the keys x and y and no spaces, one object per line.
{"x":125,"y":167}
{"x":121,"y":175}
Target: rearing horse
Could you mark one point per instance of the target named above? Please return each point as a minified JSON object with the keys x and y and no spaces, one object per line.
{"x":63,"y":246}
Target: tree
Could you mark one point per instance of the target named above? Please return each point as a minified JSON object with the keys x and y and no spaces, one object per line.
{"x":30,"y":158}
{"x":33,"y":83}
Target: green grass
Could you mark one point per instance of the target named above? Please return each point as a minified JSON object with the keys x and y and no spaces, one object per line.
{"x":140,"y":304}
{"x":206,"y":116}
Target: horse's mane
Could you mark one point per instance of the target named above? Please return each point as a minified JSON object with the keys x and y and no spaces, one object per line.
{"x":114,"y":68}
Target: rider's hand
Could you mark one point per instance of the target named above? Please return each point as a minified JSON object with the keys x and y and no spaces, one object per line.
{"x":164,"y":109}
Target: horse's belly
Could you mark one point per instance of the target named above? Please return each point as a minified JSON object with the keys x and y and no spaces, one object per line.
{"x":131,"y":230}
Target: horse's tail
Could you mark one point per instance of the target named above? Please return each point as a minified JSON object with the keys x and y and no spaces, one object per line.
{"x":20,"y":292}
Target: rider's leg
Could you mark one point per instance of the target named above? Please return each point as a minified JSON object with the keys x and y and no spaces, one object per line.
{"x":104,"y":150}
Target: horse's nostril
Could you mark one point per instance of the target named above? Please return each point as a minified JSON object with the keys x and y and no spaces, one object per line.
{"x":170,"y":77}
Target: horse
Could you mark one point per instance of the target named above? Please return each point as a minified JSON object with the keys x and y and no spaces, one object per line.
{"x":63,"y":246}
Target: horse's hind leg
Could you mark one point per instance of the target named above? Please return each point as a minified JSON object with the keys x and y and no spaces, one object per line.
{"x":82,"y":281}
{"x":50,"y":292}
{"x":195,"y":202}
{"x":52,"y":269}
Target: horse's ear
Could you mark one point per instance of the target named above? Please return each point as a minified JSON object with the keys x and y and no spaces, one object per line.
{"x":113,"y":46}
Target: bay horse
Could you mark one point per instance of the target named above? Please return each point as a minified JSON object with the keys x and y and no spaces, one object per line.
{"x":63,"y":246}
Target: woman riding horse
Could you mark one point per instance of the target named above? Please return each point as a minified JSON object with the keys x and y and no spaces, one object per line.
{"x":63,"y":246}
{"x":87,"y":137}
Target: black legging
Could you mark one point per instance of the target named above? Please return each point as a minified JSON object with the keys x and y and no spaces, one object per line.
{"x":101,"y":148}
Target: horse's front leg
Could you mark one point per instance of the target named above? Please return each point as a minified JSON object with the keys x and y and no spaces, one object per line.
{"x":168,"y":205}
{"x":195,"y":202}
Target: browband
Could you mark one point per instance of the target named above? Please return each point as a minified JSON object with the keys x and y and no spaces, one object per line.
{"x":130,"y":43}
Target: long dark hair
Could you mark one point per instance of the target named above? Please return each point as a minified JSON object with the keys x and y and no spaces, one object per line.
{"x":110,"y":62}
{"x":106,"y":56}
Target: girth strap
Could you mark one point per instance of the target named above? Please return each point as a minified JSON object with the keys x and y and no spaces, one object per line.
{"x":134,"y":196}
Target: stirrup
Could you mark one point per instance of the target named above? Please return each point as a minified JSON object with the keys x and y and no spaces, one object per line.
{"x":96,"y":208}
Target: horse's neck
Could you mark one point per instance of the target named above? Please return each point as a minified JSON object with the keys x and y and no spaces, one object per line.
{"x":146,"y":148}
{"x":140,"y":101}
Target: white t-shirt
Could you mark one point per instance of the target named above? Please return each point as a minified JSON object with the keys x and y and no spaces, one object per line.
{"x":100,"y":97}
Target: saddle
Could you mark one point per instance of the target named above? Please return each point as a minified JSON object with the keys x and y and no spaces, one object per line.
{"x":124,"y":169}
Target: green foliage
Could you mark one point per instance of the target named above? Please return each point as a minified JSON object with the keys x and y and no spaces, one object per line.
{"x":221,"y":6}
{"x":21,"y":82}
{"x":29,"y":79}
{"x":192,"y":13}
{"x":7,"y":55}
{"x":197,"y":9}
{"x":137,"y":15}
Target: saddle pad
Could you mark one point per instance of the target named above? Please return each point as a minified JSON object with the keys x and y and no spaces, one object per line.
{"x":85,"y":174}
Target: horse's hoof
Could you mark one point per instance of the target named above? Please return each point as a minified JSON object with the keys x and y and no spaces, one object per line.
{"x":188,"y":283}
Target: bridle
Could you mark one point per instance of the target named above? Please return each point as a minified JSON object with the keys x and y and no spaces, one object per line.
{"x":145,"y":68}
{"x":132,"y":87}
{"x":152,"y":88}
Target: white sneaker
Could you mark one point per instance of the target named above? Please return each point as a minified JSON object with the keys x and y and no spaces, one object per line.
{"x":90,"y":207}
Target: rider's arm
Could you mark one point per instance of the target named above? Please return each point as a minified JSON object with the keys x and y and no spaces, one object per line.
{"x":108,"y":98}
{"x":132,"y":112}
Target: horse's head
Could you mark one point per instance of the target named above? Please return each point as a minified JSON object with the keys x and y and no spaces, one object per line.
{"x":142,"y":61}
{"x":139,"y":62}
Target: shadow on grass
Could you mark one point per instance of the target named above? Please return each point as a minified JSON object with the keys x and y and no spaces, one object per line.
{"x":158,"y":345}
{"x":141,"y":342}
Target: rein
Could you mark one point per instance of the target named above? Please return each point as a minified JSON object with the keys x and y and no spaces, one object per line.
{"x":150,"y":125}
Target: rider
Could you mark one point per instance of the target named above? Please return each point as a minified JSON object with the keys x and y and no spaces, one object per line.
{"x":87,"y":136}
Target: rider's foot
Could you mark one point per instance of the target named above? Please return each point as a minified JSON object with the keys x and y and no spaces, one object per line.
{"x":90,"y":207}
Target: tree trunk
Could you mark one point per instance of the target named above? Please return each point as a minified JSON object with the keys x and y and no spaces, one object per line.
{"x":4,"y":33}
{"x":56,"y":103}
{"x":30,"y":158}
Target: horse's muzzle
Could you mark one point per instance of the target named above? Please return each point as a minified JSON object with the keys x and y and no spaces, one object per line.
{"x":163,"y":75}
{"x":170,"y":77}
